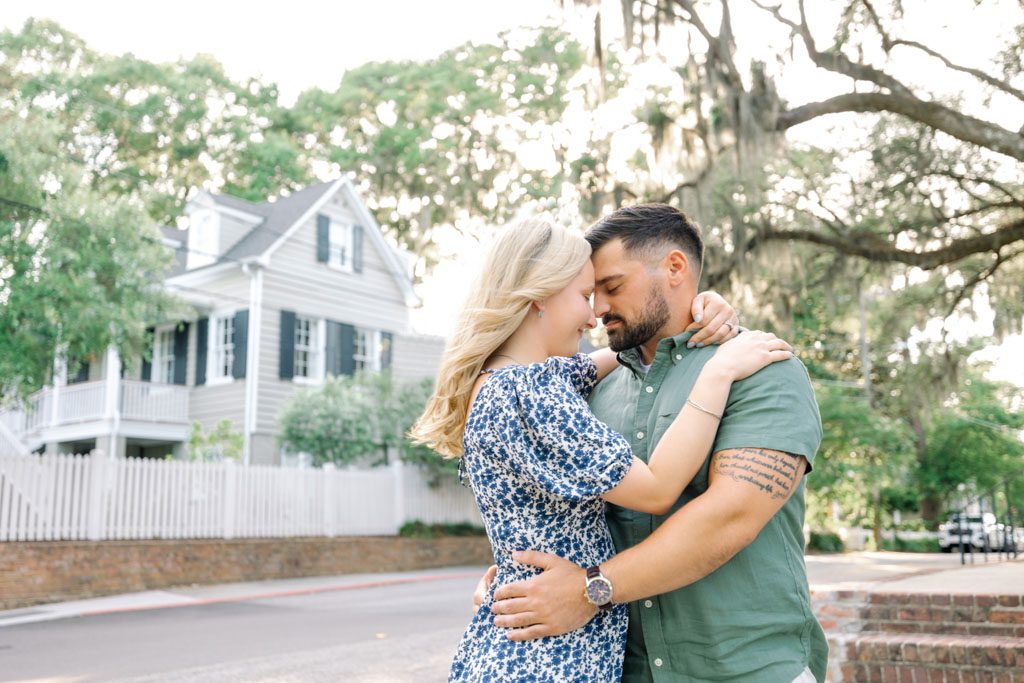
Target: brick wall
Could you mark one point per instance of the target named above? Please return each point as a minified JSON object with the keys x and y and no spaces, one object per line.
{"x":38,"y":572}
{"x":922,"y":637}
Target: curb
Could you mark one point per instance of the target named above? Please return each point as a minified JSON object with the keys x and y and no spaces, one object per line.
{"x":54,"y":612}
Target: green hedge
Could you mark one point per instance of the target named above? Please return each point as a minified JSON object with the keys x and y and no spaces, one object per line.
{"x":825,"y":542}
{"x":917,"y":545}
{"x":418,"y":529}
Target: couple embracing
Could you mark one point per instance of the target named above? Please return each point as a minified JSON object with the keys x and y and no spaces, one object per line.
{"x":644,"y":503}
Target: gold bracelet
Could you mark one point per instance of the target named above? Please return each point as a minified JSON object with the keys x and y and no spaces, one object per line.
{"x":704,"y":410}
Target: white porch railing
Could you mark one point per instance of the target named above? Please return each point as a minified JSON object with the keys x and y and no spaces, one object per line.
{"x":153,"y":402}
{"x":81,"y":402}
{"x":86,"y":401}
{"x":70,"y":497}
{"x":40,"y":410}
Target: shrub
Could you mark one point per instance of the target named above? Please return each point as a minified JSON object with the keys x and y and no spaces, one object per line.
{"x":418,"y":529}
{"x":917,"y":545}
{"x":353,"y":420}
{"x":220,"y":443}
{"x":825,"y":542}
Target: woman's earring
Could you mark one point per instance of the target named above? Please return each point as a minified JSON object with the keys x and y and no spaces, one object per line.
{"x":540,"y":314}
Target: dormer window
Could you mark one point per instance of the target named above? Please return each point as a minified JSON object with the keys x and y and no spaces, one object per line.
{"x":339,"y":244}
{"x":203,"y":238}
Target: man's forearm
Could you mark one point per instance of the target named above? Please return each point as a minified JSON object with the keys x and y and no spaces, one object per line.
{"x":695,"y":541}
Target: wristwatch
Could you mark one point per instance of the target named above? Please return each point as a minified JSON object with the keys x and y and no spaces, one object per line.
{"x":599,"y":589}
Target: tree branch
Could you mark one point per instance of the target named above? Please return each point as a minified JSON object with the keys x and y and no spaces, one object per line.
{"x":961,"y":179}
{"x":716,"y":47}
{"x":664,"y":199}
{"x":978,"y":277}
{"x":888,"y":43}
{"x":834,"y":60}
{"x":881,"y":252}
{"x":937,"y":116}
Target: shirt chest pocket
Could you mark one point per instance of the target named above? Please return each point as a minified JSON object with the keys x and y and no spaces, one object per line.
{"x":700,"y":480}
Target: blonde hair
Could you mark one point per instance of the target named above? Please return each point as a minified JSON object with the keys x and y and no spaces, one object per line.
{"x":528,"y":262}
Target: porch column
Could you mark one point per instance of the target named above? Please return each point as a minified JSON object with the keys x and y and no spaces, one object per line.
{"x":112,"y":398}
{"x":60,"y":374}
{"x":112,"y":382}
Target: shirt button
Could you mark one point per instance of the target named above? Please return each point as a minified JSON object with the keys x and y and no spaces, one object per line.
{"x":679,"y":356}
{"x":658,"y":662}
{"x":649,"y":390}
{"x":639,"y":435}
{"x":648,"y":603}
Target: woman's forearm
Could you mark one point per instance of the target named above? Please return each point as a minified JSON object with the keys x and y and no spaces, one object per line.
{"x":606,"y":361}
{"x":684,"y":446}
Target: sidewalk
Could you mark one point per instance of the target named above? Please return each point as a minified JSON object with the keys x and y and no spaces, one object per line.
{"x":189,"y":596}
{"x":994,"y":578}
{"x":915,"y":573}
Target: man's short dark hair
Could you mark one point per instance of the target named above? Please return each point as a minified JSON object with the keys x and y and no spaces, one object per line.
{"x":646,"y":229}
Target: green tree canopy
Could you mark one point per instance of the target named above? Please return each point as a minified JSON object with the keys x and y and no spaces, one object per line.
{"x":79,"y":269}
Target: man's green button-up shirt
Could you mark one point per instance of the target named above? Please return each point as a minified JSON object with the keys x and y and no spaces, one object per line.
{"x":750,"y":620}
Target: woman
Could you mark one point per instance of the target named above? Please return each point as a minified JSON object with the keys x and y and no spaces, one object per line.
{"x":510,"y":400}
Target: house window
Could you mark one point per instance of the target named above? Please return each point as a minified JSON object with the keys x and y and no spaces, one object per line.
{"x":163,"y":356}
{"x":223,"y":346}
{"x":366,"y":351}
{"x":340,"y":247}
{"x":307,"y":347}
{"x":81,"y":375}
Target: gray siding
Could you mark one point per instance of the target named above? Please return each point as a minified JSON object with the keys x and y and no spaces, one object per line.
{"x":296,"y":281}
{"x":210,"y":404}
{"x":417,"y":356}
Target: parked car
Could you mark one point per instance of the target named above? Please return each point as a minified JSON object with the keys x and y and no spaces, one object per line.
{"x":1014,"y":539}
{"x":978,"y":532}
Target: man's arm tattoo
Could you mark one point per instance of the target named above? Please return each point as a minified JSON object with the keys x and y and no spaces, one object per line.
{"x":772,"y":472}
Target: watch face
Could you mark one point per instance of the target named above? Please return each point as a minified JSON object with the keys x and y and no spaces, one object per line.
{"x":599,"y":590}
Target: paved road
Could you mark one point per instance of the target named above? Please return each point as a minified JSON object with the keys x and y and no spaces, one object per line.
{"x":396,"y":633}
{"x":404,"y":632}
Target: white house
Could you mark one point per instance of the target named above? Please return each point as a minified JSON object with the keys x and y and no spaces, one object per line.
{"x":281,"y":294}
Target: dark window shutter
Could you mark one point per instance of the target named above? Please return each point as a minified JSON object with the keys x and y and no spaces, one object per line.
{"x":386,"y":341}
{"x":202,"y":333}
{"x":180,"y":353}
{"x":147,"y":357}
{"x":286,"y":364}
{"x":332,"y":349}
{"x":323,"y":238}
{"x":357,"y":248}
{"x":348,"y":347}
{"x":241,"y":343}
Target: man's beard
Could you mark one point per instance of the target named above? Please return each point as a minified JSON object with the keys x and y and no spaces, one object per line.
{"x":652,"y":318}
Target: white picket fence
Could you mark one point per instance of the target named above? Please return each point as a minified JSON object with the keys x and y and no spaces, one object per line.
{"x":71,"y":497}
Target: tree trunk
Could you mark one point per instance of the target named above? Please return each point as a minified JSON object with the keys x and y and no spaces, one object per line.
{"x":931,"y":509}
{"x":876,"y":527}
{"x":931,"y":506}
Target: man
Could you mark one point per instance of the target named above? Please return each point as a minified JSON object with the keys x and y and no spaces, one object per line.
{"x":717,"y":589}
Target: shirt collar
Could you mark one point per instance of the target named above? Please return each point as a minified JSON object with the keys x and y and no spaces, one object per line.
{"x":674,"y":346}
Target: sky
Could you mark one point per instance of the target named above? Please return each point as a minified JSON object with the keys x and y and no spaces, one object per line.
{"x":298,"y":45}
{"x":311,"y":44}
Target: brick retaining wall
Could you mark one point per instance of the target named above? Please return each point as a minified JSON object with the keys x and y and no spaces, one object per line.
{"x":922,"y":637}
{"x":38,"y":572}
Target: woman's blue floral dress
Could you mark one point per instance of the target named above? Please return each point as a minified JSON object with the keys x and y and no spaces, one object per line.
{"x":538,"y":461}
